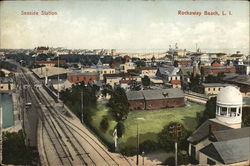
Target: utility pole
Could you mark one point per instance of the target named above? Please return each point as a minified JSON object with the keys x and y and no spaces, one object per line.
{"x":82,"y":106}
{"x":137,"y":156}
{"x":1,"y":137}
{"x":58,"y":90}
{"x":115,"y":138}
{"x":176,"y":131}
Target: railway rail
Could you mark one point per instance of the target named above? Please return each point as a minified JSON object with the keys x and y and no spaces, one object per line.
{"x":65,"y":135}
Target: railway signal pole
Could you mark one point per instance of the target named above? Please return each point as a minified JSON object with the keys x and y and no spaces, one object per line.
{"x":176,"y":131}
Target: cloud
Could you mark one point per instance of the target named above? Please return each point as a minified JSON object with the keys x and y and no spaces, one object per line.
{"x":84,"y":32}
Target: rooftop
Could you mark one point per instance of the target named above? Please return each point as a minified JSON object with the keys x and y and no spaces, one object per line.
{"x":229,"y":152}
{"x":214,"y":85}
{"x":203,"y":131}
{"x":231,"y":134}
{"x":41,"y":72}
{"x":155,"y":94}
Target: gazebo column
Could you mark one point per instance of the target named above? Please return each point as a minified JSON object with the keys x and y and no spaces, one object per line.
{"x":227,"y":111}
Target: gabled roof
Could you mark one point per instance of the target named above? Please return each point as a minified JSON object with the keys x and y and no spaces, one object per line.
{"x":211,"y":151}
{"x":229,"y":152}
{"x":170,"y":71}
{"x":203,"y":131}
{"x":231,"y":134}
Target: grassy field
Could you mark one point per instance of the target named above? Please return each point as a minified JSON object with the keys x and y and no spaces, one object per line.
{"x":150,"y":123}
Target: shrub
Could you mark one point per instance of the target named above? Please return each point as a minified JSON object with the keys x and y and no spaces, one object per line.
{"x":104,"y":124}
{"x":183,"y":159}
{"x":129,"y":151}
{"x":149,"y":146}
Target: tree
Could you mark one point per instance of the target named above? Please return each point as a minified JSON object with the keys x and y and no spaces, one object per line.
{"x":72,"y":98}
{"x":246,"y":116}
{"x":166,"y":139}
{"x":209,"y":111}
{"x":215,"y":79}
{"x":145,"y":81}
{"x":15,"y":152}
{"x":119,"y":105}
{"x":195,"y":83}
{"x":120,"y":129}
{"x":135,"y":86}
{"x":107,"y":89}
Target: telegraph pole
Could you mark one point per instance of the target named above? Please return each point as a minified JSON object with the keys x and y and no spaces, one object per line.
{"x":176,"y":131}
{"x":58,"y":90}
{"x":115,"y":138}
{"x":82,"y":106}
{"x":137,"y":156}
{"x":1,"y":139}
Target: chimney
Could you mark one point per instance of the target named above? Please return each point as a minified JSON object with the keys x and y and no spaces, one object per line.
{"x":212,"y":128}
{"x":194,"y":71}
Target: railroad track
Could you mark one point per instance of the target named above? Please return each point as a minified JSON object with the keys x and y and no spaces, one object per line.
{"x":53,"y":122}
{"x":52,"y":126}
{"x":84,"y":135}
{"x":58,"y":144}
{"x":49,"y":127}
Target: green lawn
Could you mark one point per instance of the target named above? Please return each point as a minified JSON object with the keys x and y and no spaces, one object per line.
{"x":150,"y":122}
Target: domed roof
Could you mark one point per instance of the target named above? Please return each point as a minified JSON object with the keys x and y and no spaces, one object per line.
{"x":229,"y":95}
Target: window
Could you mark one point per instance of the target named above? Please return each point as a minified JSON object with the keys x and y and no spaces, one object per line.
{"x":210,"y":162}
{"x":219,"y":89}
{"x":208,"y":89}
{"x":223,"y":111}
{"x":233,"y":112}
{"x":214,"y":89}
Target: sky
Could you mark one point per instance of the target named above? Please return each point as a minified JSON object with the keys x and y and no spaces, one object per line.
{"x":125,"y":25}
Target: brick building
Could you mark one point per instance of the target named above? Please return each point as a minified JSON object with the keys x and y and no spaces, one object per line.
{"x":155,"y":99}
{"x":241,"y":81}
{"x":114,"y":79}
{"x":85,"y":77}
{"x":210,"y":70}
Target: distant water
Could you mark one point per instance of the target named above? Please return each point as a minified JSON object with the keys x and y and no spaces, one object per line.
{"x":7,"y":105}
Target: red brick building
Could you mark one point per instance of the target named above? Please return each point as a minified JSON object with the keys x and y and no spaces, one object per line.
{"x":182,"y":63}
{"x":215,"y":64}
{"x":210,"y":70}
{"x":85,"y":77}
{"x":155,"y":99}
